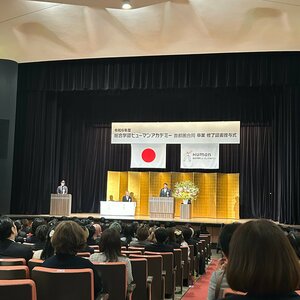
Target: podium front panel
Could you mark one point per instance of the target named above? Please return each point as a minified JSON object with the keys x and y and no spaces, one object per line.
{"x":60,"y":204}
{"x":161,"y":207}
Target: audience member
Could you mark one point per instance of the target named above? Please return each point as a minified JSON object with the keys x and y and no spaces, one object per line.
{"x":41,"y":235}
{"x":218,"y":278}
{"x":110,"y":247}
{"x":8,"y":246}
{"x":142,"y":235}
{"x":294,"y":238}
{"x":161,"y":236}
{"x":21,"y":235}
{"x":90,"y":239}
{"x":171,"y":240}
{"x":48,"y":249}
{"x":262,"y":263}
{"x":31,"y":238}
{"x":128,"y":234}
{"x":68,"y":239}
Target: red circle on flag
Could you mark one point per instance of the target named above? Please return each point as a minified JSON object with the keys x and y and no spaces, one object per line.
{"x":148,"y":155}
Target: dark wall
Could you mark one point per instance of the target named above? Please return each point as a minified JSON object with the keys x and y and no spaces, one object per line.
{"x":8,"y":95}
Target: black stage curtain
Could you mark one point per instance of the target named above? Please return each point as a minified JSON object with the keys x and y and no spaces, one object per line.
{"x":65,"y":110}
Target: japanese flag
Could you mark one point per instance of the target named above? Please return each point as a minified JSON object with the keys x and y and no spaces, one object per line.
{"x":148,"y":156}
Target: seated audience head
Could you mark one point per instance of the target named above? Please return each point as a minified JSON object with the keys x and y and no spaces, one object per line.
{"x":294,"y":238}
{"x":68,"y":238}
{"x":98,"y":230}
{"x":187,"y":233}
{"x":8,"y":229}
{"x":41,"y":233}
{"x":142,"y":233}
{"x":262,"y":262}
{"x":161,"y":235}
{"x":36,"y":223}
{"x":171,"y":235}
{"x":110,"y":244}
{"x":225,"y":237}
{"x":91,"y":230}
{"x":116,"y":226}
{"x":48,"y":250}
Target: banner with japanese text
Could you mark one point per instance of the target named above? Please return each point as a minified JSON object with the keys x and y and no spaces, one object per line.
{"x":227,"y":132}
{"x":148,"y":156}
{"x":199,"y":156}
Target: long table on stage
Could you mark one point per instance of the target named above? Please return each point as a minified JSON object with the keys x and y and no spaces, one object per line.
{"x":117,"y":208}
{"x":161,"y":207}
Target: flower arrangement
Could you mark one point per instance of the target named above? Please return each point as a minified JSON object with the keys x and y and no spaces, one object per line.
{"x":185,"y":190}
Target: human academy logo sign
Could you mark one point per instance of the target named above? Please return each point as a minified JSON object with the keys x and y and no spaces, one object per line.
{"x":199,"y":156}
{"x":148,"y":156}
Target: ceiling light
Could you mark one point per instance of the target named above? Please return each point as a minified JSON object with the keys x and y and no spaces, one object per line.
{"x":126,"y":5}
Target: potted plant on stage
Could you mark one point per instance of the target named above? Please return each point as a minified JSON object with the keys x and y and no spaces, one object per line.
{"x":186,"y":190}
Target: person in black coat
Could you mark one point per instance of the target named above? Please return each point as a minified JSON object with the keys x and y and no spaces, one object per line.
{"x":165,"y":191}
{"x":8,"y":247}
{"x":68,"y":239}
{"x":161,"y":236}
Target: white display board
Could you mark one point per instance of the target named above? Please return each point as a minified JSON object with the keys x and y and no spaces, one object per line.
{"x":221,"y":132}
{"x":116,"y":208}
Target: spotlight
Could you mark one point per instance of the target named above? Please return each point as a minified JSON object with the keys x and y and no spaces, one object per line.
{"x":126,"y":4}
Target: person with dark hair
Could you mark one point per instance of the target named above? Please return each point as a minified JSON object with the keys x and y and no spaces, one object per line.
{"x":142,"y":235}
{"x":294,"y":238}
{"x":35,"y":224}
{"x":161,"y":236}
{"x":128,"y":234}
{"x":262,"y":263}
{"x":8,"y":247}
{"x":171,"y":240}
{"x":218,"y":278}
{"x":48,"y":249}
{"x":68,"y":239}
{"x":165,"y":191}
{"x":21,"y":235}
{"x":110,"y":251}
{"x":41,"y":235}
{"x":187,"y":233}
{"x":90,"y":239}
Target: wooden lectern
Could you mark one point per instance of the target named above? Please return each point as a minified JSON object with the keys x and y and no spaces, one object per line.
{"x":60,"y":204}
{"x":161,"y":207}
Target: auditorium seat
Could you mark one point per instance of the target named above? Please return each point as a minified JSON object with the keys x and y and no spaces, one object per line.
{"x":84,"y":254}
{"x":142,"y":249}
{"x":95,"y":247}
{"x":143,"y":282}
{"x":228,"y":292}
{"x":192,"y":260}
{"x":155,"y":269}
{"x":168,"y":267}
{"x":14,"y":272}
{"x":178,"y":264}
{"x":12,"y":261}
{"x":34,"y":263}
{"x":61,"y":284}
{"x":114,"y":278}
{"x":186,"y":265}
{"x":18,"y":289}
{"x":128,"y":252}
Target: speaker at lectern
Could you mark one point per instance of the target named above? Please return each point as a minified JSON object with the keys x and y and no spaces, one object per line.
{"x":60,"y":204}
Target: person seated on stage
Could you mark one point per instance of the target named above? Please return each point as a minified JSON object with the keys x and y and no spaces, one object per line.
{"x":127,"y":197}
{"x":218,"y":278}
{"x":31,"y":237}
{"x":68,"y":239}
{"x":142,"y":235}
{"x":165,"y":191}
{"x":41,"y":236}
{"x":128,"y":234}
{"x":62,"y":188}
{"x":262,"y":263}
{"x":8,"y":247}
{"x":161,"y":236}
{"x":110,"y":251}
{"x":171,"y":240}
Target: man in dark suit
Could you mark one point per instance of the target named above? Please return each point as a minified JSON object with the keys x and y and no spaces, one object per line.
{"x":127,"y":197}
{"x":8,"y":247}
{"x":161,"y":236}
{"x":165,"y":191}
{"x":62,"y":188}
